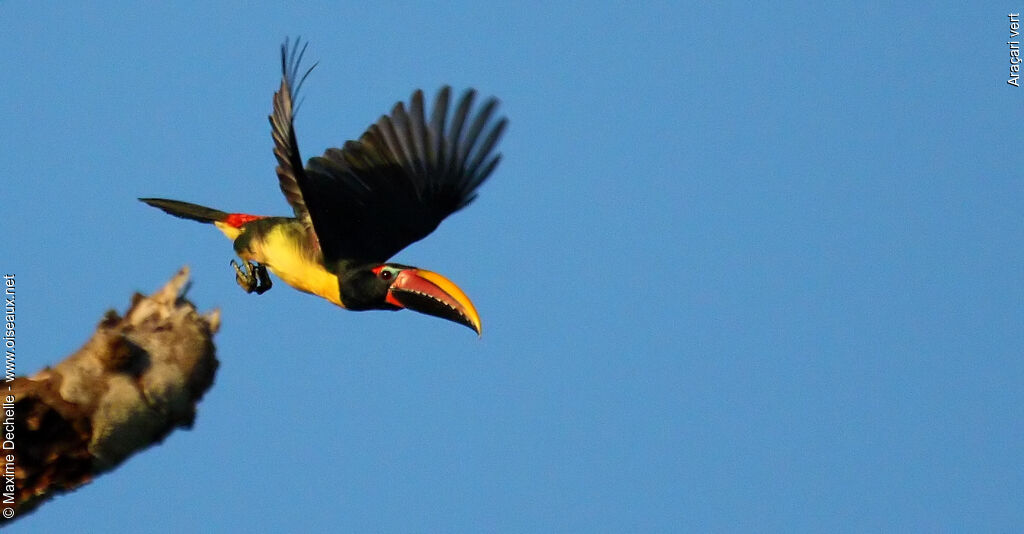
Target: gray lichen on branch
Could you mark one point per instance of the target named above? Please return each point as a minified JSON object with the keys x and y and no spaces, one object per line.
{"x":138,"y":378}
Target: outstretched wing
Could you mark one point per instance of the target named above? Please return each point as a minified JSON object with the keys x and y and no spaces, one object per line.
{"x":286,"y":148}
{"x":375,"y":196}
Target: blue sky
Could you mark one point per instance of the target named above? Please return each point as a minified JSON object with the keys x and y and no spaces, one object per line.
{"x":741,"y":268}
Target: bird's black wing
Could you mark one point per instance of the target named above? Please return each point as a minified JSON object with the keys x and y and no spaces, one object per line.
{"x":286,"y":148}
{"x":375,"y":196}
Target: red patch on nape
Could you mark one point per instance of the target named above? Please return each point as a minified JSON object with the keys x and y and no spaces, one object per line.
{"x":238,"y":219}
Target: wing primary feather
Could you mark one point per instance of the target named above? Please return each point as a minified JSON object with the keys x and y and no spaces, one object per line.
{"x":401,"y":148}
{"x":484,"y":151}
{"x":417,"y":134}
{"x":479,"y":122}
{"x":291,"y":69}
{"x":437,"y":119}
{"x":385,"y":129}
{"x":479,"y":179}
{"x":454,"y":136}
{"x":400,"y":121}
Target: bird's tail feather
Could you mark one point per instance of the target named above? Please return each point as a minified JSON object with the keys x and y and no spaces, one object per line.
{"x":185,"y":210}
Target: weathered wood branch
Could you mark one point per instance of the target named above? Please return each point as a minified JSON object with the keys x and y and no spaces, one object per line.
{"x":137,"y":379}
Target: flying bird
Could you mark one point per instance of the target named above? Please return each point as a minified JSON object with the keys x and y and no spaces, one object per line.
{"x":357,"y":206}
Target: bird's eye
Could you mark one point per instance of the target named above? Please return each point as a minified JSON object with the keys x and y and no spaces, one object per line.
{"x":386,"y":274}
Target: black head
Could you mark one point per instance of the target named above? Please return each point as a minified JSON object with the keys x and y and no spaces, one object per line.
{"x":392,"y":286}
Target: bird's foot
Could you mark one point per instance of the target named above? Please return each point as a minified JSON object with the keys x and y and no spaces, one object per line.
{"x":245,"y":278}
{"x":253,"y":278}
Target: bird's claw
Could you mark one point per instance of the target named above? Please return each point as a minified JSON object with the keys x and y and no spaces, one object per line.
{"x":253,"y":278}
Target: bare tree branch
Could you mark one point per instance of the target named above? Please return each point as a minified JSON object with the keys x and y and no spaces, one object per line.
{"x":127,"y":388}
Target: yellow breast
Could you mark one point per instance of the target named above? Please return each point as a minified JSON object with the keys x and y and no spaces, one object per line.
{"x":280,"y":250}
